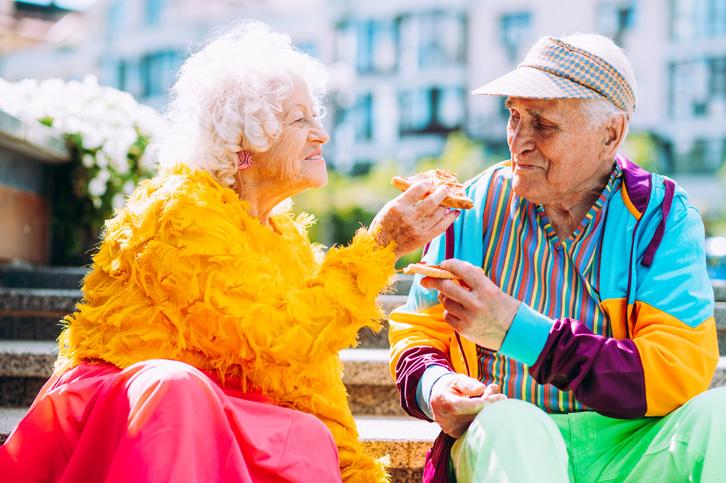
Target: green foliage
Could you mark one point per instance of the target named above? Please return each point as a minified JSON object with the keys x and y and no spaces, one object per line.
{"x":642,"y":148}
{"x":78,"y":212}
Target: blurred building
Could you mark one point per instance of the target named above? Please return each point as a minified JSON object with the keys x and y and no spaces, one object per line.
{"x":677,"y":48}
{"x":402,"y":69}
{"x":407,"y":79}
{"x":27,"y":24}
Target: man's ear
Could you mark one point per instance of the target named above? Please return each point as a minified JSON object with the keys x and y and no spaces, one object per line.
{"x":615,"y":132}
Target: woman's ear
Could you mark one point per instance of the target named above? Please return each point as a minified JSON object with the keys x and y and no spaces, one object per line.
{"x":244,"y":160}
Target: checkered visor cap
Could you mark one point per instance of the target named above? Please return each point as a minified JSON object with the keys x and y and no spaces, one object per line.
{"x":554,"y":69}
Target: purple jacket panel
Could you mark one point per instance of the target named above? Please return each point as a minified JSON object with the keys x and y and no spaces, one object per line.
{"x":605,"y":374}
{"x":409,"y":369}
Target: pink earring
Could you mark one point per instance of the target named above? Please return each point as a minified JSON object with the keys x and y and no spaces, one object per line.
{"x":244,"y":160}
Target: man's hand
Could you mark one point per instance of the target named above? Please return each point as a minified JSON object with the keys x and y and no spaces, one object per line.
{"x":474,"y":306}
{"x":456,"y":399}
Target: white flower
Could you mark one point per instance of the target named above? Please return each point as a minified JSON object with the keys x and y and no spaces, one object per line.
{"x":107,"y":120}
{"x":97,"y":187}
{"x":118,"y":201}
{"x":129,"y":187}
{"x":88,"y":160}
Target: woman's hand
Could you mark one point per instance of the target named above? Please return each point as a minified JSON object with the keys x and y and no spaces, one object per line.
{"x":412,"y":219}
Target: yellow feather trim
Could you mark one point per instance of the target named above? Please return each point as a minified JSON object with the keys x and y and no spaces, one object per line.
{"x":185,"y":273}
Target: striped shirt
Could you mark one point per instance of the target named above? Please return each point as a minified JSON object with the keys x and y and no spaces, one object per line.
{"x":558,"y":278}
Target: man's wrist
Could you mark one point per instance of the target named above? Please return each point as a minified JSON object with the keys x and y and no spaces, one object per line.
{"x":527,"y":335}
{"x":431,"y":376}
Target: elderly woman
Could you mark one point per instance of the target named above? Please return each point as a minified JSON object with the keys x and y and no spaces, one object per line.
{"x":585,"y":299}
{"x":206,"y":345}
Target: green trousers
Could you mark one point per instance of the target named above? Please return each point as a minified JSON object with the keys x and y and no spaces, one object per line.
{"x":514,"y":441}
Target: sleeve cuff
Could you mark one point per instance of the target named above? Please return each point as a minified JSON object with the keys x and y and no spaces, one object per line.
{"x":527,"y":335}
{"x":423,"y":391}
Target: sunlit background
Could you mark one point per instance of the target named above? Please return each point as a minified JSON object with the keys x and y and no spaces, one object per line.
{"x":401,"y":72}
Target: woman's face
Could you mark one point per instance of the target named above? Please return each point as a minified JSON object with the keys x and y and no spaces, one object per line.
{"x":294,"y":162}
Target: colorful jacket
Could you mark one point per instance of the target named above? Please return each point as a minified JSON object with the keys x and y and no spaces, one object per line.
{"x":185,"y":273}
{"x":653,"y":287}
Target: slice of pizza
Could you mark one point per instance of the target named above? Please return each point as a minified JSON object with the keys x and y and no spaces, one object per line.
{"x":457,"y":198}
{"x":433,"y":271}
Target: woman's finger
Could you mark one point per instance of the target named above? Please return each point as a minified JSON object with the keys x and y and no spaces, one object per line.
{"x":429,"y":205}
{"x":442,"y":223}
{"x":417,"y":191}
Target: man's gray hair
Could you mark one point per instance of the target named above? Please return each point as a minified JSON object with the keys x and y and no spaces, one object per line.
{"x":600,"y":111}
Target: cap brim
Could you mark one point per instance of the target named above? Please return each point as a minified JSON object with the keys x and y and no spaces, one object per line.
{"x":531,"y":83}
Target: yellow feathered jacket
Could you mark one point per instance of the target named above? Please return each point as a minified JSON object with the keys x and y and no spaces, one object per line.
{"x":185,"y":273}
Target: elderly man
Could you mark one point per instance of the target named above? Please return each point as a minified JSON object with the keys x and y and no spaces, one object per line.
{"x":583,"y":298}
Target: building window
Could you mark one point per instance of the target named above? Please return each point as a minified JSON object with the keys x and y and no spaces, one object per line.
{"x":309,"y":48}
{"x":698,"y":88}
{"x":703,"y":156}
{"x":431,"y":110}
{"x":441,"y":39}
{"x":121,"y":73}
{"x":614,"y":19}
{"x":514,"y":29}
{"x":698,"y":19}
{"x":115,"y":18}
{"x":355,"y":123}
{"x":371,"y":44}
{"x":152,"y":11}
{"x":364,"y":118}
{"x":157,"y":72}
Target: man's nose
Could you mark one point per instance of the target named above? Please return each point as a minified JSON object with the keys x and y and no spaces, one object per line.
{"x":521,"y":139}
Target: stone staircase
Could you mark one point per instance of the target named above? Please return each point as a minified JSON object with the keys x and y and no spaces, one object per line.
{"x":32,"y":302}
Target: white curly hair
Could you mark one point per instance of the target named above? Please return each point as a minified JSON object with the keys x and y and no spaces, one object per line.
{"x":228,"y":97}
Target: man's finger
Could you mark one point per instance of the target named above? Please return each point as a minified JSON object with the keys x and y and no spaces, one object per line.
{"x":491,"y":389}
{"x":469,"y":405}
{"x":451,"y":289}
{"x":453,"y":307}
{"x":452,"y":320}
{"x":467,"y":386}
{"x":471,"y":275}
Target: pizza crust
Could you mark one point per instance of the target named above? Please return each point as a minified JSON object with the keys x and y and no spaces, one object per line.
{"x":457,"y":198}
{"x":433,"y":271}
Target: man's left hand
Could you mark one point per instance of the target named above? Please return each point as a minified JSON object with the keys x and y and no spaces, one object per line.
{"x":474,"y":306}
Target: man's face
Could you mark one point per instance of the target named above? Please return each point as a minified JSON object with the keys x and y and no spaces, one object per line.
{"x":555,"y":152}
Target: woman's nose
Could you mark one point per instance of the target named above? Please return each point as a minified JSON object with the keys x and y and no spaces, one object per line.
{"x":318,"y":133}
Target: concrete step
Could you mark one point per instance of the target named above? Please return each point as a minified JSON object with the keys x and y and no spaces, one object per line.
{"x":720,"y":314}
{"x":25,"y":365}
{"x":719,"y":290}
{"x":34,"y":302}
{"x":404,"y":440}
{"x":71,"y":278}
{"x":34,"y":314}
{"x":41,"y":277}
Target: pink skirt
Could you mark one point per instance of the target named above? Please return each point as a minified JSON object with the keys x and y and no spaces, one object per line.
{"x":162,"y":421}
